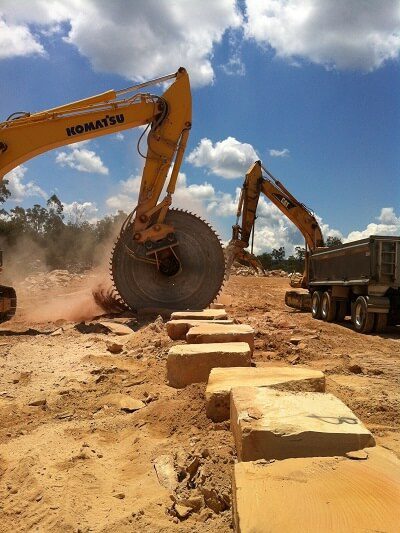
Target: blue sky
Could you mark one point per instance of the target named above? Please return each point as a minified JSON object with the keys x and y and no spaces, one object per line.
{"x":315,"y":82}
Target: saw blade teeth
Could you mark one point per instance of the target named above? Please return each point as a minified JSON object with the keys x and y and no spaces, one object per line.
{"x":129,"y":290}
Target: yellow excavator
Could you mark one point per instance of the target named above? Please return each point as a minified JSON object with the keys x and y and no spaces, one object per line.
{"x":163,"y":258}
{"x":259,"y":180}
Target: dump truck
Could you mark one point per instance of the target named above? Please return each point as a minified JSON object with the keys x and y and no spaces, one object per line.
{"x":360,"y":279}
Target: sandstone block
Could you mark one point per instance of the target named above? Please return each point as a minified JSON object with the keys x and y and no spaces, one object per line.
{"x":269,"y":424}
{"x":225,"y":299}
{"x":216,"y":333}
{"x":177,"y":329}
{"x":216,"y":306}
{"x":326,"y":494}
{"x":192,"y":363}
{"x":222,"y":380}
{"x":205,"y":314}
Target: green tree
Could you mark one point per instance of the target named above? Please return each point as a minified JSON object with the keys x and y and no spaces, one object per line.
{"x":333,"y":241}
{"x":300,"y":253}
{"x":266,"y":260}
{"x":4,"y":192}
{"x":278,"y":254}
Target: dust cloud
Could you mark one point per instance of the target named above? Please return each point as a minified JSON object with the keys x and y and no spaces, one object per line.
{"x":76,"y":306}
{"x":73,"y":294}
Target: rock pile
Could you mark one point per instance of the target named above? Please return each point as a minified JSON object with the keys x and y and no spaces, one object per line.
{"x":48,"y":280}
{"x":241,"y":270}
{"x":277,"y":273}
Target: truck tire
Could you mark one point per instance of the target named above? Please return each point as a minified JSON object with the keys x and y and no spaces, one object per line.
{"x":341,"y":310}
{"x":328,"y":307}
{"x":380,"y":322}
{"x":316,"y":305}
{"x":363,"y":320}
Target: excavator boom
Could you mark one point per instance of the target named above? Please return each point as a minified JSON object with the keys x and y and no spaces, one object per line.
{"x":25,"y":135}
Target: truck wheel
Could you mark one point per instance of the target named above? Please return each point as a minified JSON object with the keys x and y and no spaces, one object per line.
{"x":341,"y":310}
{"x":363,"y":320}
{"x":328,"y":307}
{"x":316,"y":305}
{"x":380,"y":322}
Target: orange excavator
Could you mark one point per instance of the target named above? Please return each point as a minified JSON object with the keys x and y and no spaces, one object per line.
{"x":164,"y":258}
{"x":259,"y":180}
{"x":302,"y":217}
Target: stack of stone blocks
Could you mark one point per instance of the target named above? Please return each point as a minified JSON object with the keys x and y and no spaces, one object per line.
{"x":281,"y":420}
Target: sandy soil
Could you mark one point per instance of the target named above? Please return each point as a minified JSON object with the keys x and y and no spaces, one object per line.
{"x":77,"y":462}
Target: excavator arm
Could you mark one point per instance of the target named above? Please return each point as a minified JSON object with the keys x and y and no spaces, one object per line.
{"x":25,"y":135}
{"x":256,"y":183}
{"x":153,"y":237}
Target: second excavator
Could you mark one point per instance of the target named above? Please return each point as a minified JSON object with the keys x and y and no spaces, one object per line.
{"x":164,"y":258}
{"x":304,"y":219}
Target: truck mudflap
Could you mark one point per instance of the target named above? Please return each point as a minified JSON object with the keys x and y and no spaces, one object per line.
{"x":8,"y":303}
{"x":298,"y":300}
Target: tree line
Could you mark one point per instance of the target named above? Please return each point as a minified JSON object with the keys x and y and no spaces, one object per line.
{"x":44,"y":233}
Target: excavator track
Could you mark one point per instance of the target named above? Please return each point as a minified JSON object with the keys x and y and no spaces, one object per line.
{"x":195,"y":285}
{"x":8,"y":303}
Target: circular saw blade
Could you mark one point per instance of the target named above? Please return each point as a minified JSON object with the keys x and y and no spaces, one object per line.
{"x":197,"y":283}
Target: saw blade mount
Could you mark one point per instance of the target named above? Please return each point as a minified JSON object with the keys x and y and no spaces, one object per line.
{"x":192,"y":283}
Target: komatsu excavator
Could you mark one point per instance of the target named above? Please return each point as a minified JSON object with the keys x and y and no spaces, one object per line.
{"x":303,"y":218}
{"x":163,"y":258}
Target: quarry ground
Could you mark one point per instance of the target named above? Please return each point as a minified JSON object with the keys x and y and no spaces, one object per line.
{"x":77,"y":462}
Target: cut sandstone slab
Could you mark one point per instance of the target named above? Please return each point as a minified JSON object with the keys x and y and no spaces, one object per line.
{"x":177,"y":329}
{"x":319,"y":494}
{"x":216,"y":333}
{"x":206,"y":314}
{"x":222,"y":380}
{"x":216,"y":306}
{"x":192,"y":363}
{"x":269,"y":424}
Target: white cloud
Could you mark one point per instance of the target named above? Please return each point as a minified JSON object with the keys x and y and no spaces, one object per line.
{"x":161,"y":36}
{"x":83,"y":160}
{"x":119,"y":136}
{"x":234,"y":66}
{"x":40,"y":12}
{"x":341,"y":34}
{"x":20,"y":190}
{"x":79,"y":144}
{"x":193,"y":197}
{"x":279,"y":153}
{"x":17,"y":40}
{"x":77,"y":212}
{"x":388,"y":223}
{"x":229,"y":158}
{"x":139,"y":40}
